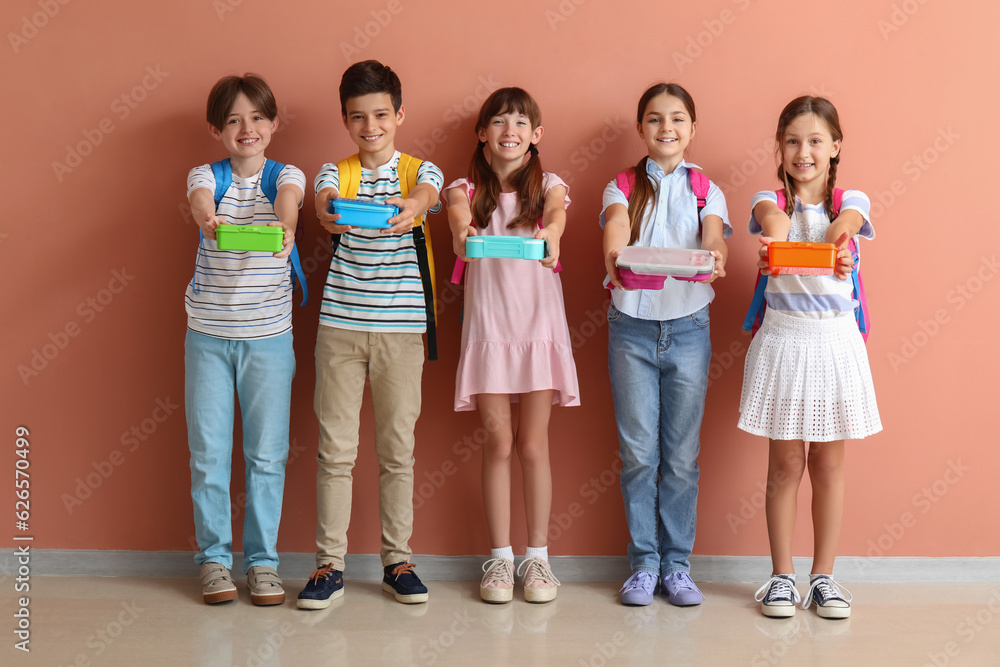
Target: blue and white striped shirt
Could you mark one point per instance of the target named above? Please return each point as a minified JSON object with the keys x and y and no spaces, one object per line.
{"x":812,"y":297}
{"x":241,"y":295}
{"x":374,"y":281}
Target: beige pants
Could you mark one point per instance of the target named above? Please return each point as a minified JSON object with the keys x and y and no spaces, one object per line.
{"x":393,"y":362}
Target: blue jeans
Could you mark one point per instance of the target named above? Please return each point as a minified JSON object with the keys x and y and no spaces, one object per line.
{"x":260,"y":372}
{"x":659,"y":376}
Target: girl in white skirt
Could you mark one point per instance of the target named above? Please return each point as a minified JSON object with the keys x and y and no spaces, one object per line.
{"x":807,"y":385}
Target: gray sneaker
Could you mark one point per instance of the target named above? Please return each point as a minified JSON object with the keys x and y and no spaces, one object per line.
{"x":216,"y":583}
{"x":265,"y":586}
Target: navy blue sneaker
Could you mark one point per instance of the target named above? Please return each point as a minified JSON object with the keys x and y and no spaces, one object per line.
{"x":403,"y":583}
{"x":324,"y":586}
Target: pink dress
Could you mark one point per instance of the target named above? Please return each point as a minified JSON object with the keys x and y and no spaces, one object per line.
{"x":514,"y":333}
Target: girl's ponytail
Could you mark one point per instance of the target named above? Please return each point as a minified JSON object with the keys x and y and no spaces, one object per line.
{"x":527,"y":180}
{"x":638,"y":199}
{"x":487,"y":185}
{"x":831,"y":183}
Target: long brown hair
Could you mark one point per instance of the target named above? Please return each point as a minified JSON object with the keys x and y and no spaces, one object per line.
{"x":526,"y":179}
{"x":642,"y":191}
{"x":823,"y":109}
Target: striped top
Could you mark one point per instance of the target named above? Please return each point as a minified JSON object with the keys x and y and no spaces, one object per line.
{"x":374,"y":279}
{"x":240,"y":295}
{"x":812,"y":297}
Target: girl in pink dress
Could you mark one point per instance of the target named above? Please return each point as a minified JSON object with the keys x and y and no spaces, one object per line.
{"x":515,"y":341}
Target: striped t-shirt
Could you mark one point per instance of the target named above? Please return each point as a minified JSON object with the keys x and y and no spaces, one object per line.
{"x":374,"y":280}
{"x":812,"y":297}
{"x":235,"y":294}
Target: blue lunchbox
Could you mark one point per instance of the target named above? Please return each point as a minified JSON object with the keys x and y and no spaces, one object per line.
{"x":510,"y":247}
{"x":363,"y":213}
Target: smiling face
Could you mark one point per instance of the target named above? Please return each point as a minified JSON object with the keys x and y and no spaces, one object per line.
{"x":509,"y":135}
{"x":246,"y":132}
{"x":806,"y":150}
{"x":371,"y":121}
{"x":666,"y":128}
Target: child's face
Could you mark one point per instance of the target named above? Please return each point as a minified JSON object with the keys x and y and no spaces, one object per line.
{"x":509,"y":136}
{"x":666,"y":129}
{"x":247,"y":132}
{"x":807,"y":148}
{"x":372,"y":122}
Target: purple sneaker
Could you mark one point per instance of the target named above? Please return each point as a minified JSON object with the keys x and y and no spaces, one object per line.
{"x":681,"y":591}
{"x":639,"y":589}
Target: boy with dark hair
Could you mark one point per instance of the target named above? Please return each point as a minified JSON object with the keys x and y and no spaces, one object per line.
{"x":377,"y":303}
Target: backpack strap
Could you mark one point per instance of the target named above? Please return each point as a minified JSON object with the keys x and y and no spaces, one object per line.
{"x":269,"y":186}
{"x":700,"y":185}
{"x":407,"y":169}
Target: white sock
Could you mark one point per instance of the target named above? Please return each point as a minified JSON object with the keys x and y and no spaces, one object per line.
{"x":812,"y":577}
{"x":505,"y":552}
{"x":538,"y":552}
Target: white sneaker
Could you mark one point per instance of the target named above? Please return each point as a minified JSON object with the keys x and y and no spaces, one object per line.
{"x":778,"y":596}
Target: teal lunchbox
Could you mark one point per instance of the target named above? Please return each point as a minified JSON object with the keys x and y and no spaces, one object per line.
{"x":362,"y":213}
{"x":509,"y":247}
{"x":249,"y":237}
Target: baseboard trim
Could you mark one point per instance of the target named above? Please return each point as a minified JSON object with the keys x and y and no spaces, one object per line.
{"x":707,"y":569}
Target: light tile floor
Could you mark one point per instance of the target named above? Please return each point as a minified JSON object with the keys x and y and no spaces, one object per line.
{"x":152,"y":622}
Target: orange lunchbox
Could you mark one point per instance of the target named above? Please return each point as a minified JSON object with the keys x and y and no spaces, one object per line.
{"x":815,"y":259}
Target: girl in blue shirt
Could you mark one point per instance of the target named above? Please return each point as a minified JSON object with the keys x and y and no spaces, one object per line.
{"x":659,"y":348}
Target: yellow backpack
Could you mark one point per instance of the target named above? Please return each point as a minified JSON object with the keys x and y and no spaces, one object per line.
{"x":349,"y":171}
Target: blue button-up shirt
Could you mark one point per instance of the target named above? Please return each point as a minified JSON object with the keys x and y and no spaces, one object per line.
{"x":670,"y":221}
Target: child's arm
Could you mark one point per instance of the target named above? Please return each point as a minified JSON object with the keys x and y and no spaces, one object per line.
{"x":775,"y":226}
{"x":553,"y":223}
{"x":617,"y":231}
{"x":460,"y":221}
{"x":203,"y":210}
{"x":422,"y":197}
{"x":286,"y":207}
{"x":841,"y":230}
{"x":712,"y":230}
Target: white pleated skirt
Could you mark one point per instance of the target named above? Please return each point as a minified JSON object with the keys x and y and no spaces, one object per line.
{"x":808,"y":379}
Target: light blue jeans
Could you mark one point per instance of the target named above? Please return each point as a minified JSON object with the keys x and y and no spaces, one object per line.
{"x":260,"y":372}
{"x":659,"y":376}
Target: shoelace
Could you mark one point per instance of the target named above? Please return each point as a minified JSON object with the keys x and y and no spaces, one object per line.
{"x":401,"y":569}
{"x":498,"y":571}
{"x":637,"y":580}
{"x":321,"y":573}
{"x":537,"y":568}
{"x":828,"y":590}
{"x":777,"y":588}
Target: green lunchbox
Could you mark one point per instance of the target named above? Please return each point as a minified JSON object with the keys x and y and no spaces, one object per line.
{"x":249,"y":237}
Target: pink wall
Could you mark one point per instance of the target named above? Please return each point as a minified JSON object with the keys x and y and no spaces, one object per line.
{"x":105,"y":117}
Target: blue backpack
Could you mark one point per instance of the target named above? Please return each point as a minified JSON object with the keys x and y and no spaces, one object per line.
{"x":223,"y":172}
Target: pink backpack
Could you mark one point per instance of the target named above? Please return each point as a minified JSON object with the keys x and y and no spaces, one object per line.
{"x":755,"y":315}
{"x":456,"y":274}
{"x":699,"y":184}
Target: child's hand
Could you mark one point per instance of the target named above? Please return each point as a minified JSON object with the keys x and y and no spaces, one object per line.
{"x":209,"y":224}
{"x":458,"y":242}
{"x":762,"y":262}
{"x":326,"y":219}
{"x":551,"y":239}
{"x":287,"y":242}
{"x":611,"y":266}
{"x":720,"y":269}
{"x":403,"y":221}
{"x":845,"y":263}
